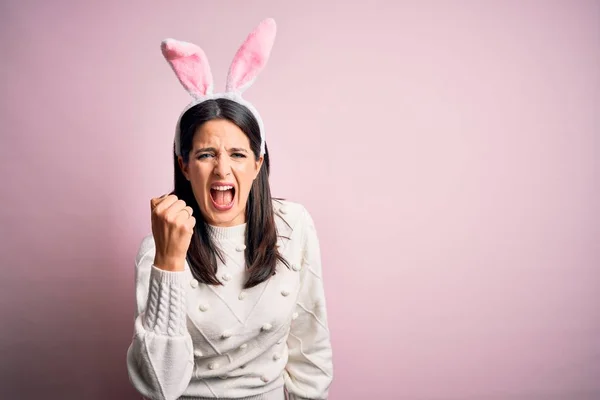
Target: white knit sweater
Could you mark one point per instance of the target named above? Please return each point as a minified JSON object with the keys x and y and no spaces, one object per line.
{"x":193,"y":340}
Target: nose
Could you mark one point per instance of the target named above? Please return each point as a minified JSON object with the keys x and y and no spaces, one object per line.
{"x":223,"y":166}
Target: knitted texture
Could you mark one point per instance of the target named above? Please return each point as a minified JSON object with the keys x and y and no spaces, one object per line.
{"x":194,"y":340}
{"x":166,"y":305}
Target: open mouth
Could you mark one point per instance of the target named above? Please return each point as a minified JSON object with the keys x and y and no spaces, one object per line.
{"x":222,"y":196}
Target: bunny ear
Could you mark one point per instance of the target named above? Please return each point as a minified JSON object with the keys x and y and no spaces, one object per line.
{"x":251,"y":57}
{"x":190,"y":65}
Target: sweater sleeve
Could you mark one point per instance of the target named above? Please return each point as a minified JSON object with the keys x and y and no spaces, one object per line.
{"x":160,"y":358}
{"x":309,"y":371}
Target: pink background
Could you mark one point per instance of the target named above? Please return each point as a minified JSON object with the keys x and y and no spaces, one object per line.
{"x":448,"y":151}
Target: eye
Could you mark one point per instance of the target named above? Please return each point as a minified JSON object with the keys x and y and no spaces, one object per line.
{"x":239,"y":155}
{"x":204,"y":155}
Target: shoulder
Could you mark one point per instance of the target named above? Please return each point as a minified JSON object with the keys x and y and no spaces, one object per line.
{"x":292,"y":213}
{"x":287,"y":206}
{"x":295,"y":222}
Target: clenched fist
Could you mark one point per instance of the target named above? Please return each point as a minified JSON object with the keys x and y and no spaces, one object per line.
{"x":172,"y":228}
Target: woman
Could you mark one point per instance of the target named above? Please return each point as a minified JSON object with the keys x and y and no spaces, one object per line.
{"x":229,"y":292}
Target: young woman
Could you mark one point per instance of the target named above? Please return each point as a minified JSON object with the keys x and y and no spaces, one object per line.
{"x":229,"y":289}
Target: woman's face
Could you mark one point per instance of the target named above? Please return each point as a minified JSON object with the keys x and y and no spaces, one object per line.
{"x":221,"y":170}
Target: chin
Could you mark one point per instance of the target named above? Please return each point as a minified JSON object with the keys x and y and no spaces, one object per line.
{"x":221,"y":217}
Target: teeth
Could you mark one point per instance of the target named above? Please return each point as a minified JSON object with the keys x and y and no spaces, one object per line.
{"x":222,"y":188}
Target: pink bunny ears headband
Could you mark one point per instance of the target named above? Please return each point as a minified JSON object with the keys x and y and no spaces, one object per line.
{"x":191,"y":67}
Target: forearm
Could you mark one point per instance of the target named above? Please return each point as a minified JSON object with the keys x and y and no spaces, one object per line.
{"x":160,"y":358}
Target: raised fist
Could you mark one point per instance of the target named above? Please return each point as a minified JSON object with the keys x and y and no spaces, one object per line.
{"x":172,"y":228}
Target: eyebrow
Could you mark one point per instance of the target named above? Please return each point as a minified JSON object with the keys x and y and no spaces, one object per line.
{"x":238,"y":149}
{"x":214,"y":150}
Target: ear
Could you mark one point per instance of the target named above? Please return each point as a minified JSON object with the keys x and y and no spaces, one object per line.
{"x":258,"y":165}
{"x":251,"y":57}
{"x":184,"y":167}
{"x":190,"y":65}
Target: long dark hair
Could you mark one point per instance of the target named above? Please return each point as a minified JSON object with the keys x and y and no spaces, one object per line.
{"x":261,"y":252}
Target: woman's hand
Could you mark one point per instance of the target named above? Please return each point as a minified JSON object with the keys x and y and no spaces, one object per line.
{"x":172,"y":228}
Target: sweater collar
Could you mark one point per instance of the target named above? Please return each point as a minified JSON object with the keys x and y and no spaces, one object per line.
{"x":227,"y":232}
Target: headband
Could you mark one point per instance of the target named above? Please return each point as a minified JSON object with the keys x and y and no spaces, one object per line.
{"x":191,"y":67}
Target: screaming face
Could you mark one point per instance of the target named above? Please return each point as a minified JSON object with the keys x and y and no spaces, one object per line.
{"x":221,"y":170}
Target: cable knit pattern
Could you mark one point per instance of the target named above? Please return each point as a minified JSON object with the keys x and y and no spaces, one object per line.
{"x":195,"y":341}
{"x":152,"y":310}
{"x":177,"y":311}
{"x":166,"y":305}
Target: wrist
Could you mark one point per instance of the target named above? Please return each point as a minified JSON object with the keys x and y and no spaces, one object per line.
{"x":169,"y":263}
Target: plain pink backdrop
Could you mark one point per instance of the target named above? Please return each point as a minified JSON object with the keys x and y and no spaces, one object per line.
{"x":448,"y":151}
